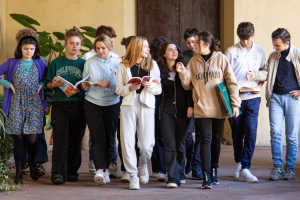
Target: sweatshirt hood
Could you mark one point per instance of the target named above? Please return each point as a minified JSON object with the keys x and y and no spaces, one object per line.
{"x":102,"y":60}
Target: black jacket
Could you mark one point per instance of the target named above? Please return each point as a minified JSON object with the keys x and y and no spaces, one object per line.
{"x":183,"y":99}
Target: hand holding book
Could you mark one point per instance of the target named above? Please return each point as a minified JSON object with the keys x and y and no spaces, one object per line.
{"x":104,"y":84}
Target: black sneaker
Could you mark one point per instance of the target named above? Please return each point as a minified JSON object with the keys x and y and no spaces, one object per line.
{"x":58,"y":179}
{"x":25,"y":169}
{"x":72,"y":178}
{"x":41,"y":169}
{"x":214,"y":176}
{"x":196,"y":174}
{"x":206,"y":181}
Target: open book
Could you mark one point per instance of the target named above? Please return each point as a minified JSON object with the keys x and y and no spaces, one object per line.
{"x":138,"y":80}
{"x":68,"y":87}
{"x":246,"y":89}
{"x":92,"y":83}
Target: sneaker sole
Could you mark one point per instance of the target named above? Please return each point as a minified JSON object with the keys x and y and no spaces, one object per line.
{"x":272,"y":179}
{"x":112,"y":176}
{"x":285,"y":178}
{"x":163,"y":179}
{"x":57,"y":181}
{"x":172,"y":185}
{"x":125,"y":180}
{"x":100,"y":180}
{"x":42,"y":173}
{"x":215,"y":183}
{"x":206,"y":187}
{"x":136,"y":188}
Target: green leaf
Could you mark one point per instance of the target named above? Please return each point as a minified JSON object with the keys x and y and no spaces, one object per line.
{"x":50,"y":39}
{"x":43,"y":32}
{"x":79,"y":31}
{"x":29,"y":20}
{"x":91,"y":34}
{"x":57,"y":47}
{"x":45,"y":50}
{"x":87,"y":43}
{"x":43,"y":38}
{"x":59,"y":35}
{"x":22,"y":21}
{"x":89,"y":29}
{"x":83,"y":51}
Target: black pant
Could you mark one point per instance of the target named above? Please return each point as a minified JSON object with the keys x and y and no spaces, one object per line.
{"x":68,"y":122}
{"x":102,"y":122}
{"x":158,"y":157}
{"x":193,"y":148}
{"x":210,"y":132}
{"x":174,"y":131}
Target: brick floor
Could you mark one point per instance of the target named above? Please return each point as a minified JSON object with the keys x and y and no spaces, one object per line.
{"x":228,"y":188}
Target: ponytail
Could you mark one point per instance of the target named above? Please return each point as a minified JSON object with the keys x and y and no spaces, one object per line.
{"x":207,"y":37}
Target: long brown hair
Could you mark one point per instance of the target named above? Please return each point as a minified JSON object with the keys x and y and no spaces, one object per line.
{"x":133,"y":54}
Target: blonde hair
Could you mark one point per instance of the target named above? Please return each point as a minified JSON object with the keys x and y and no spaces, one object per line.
{"x":133,"y":54}
{"x":106,"y":40}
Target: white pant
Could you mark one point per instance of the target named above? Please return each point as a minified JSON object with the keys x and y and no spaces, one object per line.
{"x":136,"y":118}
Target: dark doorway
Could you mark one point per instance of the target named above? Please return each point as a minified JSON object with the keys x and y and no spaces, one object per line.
{"x":170,"y":18}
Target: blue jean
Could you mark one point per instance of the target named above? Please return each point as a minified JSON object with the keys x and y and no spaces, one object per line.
{"x":193,"y":149}
{"x":284,"y":106}
{"x":244,"y":130}
{"x":42,"y":151}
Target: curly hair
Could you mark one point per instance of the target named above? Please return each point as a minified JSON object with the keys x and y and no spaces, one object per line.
{"x":155,"y":46}
{"x":162,"y":62}
{"x":26,"y":31}
{"x":73,"y":32}
{"x":245,"y":30}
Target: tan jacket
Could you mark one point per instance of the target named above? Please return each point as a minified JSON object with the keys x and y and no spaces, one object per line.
{"x":268,"y":73}
{"x":202,"y":77}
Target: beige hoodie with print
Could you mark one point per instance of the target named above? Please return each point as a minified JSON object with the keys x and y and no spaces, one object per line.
{"x":202,"y":77}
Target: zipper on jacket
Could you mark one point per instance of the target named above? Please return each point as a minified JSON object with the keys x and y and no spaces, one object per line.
{"x":175,"y":97}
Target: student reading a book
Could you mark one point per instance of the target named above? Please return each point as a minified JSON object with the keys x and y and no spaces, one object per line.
{"x":244,"y":56}
{"x":125,"y":176}
{"x":158,"y":157}
{"x":110,"y":32}
{"x":282,"y":93}
{"x":24,"y":102}
{"x":101,"y":105}
{"x":137,"y":109}
{"x":175,"y":108}
{"x":67,"y":118}
{"x":205,"y":70}
{"x":192,"y":149}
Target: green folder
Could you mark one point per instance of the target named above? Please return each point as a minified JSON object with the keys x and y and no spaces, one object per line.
{"x":223,"y":91}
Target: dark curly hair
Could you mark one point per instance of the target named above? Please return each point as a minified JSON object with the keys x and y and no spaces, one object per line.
{"x":245,"y":30}
{"x":155,"y":46}
{"x":162,"y":63}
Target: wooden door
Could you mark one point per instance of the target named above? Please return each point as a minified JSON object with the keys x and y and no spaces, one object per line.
{"x":170,"y":18}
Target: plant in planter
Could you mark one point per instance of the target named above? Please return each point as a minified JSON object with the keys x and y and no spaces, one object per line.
{"x":48,"y":47}
{"x":5,"y":153}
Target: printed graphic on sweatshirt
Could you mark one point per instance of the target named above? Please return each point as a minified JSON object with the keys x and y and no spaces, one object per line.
{"x":69,"y":71}
{"x":210,"y":74}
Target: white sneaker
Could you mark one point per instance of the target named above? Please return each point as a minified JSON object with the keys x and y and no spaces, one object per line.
{"x":113,"y":170}
{"x":134,"y":183}
{"x":236,"y":172}
{"x":99,"y":177}
{"x":154,"y":175}
{"x":161,"y":176}
{"x":106,"y":176}
{"x":182,"y":181}
{"x":92,"y":168}
{"x":172,"y":185}
{"x":143,"y":174}
{"x":125,"y":177}
{"x":246,"y":176}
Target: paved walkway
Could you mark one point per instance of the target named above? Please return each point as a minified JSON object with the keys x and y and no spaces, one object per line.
{"x":228,"y":188}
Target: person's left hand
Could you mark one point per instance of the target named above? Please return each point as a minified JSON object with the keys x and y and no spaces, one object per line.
{"x":104,"y":84}
{"x":190,"y":112}
{"x":236,"y":112}
{"x":47,"y":111}
{"x":75,"y":91}
{"x":146,"y":84}
{"x":39,"y":88}
{"x":295,"y":94}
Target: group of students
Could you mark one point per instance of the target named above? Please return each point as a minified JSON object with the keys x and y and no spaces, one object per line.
{"x":153,"y":119}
